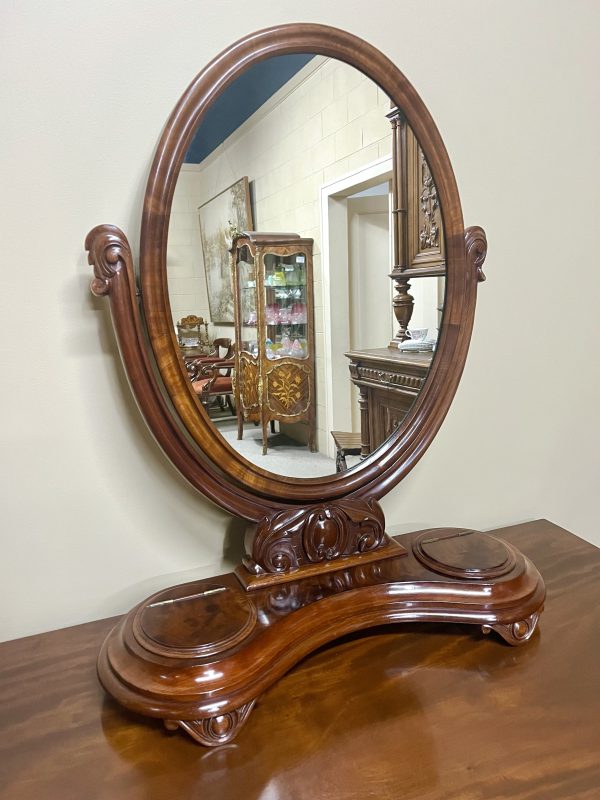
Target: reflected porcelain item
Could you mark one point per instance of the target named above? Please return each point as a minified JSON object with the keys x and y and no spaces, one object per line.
{"x":286,"y":346}
{"x":297,"y":349}
{"x":417,"y":334}
{"x":410,"y":346}
{"x":285,"y":316}
{"x":274,"y":351}
{"x":251,"y":318}
{"x":298,"y":316}
{"x":272,"y":314}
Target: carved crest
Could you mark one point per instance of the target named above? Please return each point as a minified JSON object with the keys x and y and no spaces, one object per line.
{"x":290,"y":539}
{"x":108,"y":252}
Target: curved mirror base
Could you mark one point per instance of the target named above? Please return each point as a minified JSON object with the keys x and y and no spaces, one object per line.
{"x":198,"y":655}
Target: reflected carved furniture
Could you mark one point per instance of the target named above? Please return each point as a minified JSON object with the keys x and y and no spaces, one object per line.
{"x":221,"y":348}
{"x":346,"y":444}
{"x":389,"y":382}
{"x":418,"y":247}
{"x":211,"y":373}
{"x":192,"y":332}
{"x":273,"y":312}
{"x":212,"y":380}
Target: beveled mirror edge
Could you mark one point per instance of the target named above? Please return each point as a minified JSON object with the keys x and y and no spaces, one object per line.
{"x":251,"y":492}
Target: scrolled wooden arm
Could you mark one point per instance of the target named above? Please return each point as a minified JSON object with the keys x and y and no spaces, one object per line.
{"x":202,"y":367}
{"x":476,"y":247}
{"x":215,"y":367}
{"x":110,"y":255}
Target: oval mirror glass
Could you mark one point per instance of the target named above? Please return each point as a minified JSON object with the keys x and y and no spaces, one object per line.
{"x":305,"y":266}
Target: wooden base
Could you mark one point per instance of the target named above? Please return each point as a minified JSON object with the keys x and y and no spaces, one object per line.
{"x":251,"y":581}
{"x":199,"y":655}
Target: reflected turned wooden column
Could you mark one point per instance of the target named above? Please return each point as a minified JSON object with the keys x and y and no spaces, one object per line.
{"x":417,"y":230}
{"x":363,"y":404}
{"x":403,"y":301}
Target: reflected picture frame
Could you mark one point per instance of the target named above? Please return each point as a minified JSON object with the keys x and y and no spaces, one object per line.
{"x":225,"y":212}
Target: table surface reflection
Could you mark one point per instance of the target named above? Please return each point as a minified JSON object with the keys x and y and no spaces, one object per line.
{"x":407,"y":711}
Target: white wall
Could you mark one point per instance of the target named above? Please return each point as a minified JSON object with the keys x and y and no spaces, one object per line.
{"x":92,"y":515}
{"x":185,"y":266}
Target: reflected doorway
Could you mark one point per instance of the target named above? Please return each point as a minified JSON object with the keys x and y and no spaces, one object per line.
{"x":356,"y":217}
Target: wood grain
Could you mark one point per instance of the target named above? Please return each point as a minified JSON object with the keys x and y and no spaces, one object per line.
{"x":422,"y":711}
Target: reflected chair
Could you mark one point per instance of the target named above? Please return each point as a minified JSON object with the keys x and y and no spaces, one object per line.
{"x":211,"y":375}
{"x":346,"y":444}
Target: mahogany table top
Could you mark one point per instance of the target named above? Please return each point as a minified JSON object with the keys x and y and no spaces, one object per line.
{"x":407,"y":711}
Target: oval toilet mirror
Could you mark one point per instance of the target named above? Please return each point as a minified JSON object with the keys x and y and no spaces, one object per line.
{"x":308,"y":293}
{"x":294,"y":350}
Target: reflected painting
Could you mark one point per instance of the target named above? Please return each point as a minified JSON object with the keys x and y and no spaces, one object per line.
{"x":219,"y":218}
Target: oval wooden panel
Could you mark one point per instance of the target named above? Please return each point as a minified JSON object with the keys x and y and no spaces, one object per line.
{"x":464,"y":553}
{"x":194,"y":620}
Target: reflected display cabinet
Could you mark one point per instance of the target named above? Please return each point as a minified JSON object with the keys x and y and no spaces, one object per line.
{"x":273,"y":313}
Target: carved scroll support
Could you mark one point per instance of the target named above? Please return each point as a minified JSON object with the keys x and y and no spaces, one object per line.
{"x":214,"y":731}
{"x":109,"y":253}
{"x":476,"y":247}
{"x":516,"y":633}
{"x":304,"y":541}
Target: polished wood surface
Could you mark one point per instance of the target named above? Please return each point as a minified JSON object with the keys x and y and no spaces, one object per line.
{"x":434,"y":712}
{"x":200,"y":655}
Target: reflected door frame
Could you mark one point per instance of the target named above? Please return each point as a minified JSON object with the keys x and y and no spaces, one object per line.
{"x":336,"y":306}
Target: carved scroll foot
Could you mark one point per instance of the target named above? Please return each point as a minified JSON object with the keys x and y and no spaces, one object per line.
{"x":516,"y":633}
{"x":214,"y":731}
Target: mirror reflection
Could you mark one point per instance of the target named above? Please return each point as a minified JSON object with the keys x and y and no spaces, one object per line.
{"x":306,"y":266}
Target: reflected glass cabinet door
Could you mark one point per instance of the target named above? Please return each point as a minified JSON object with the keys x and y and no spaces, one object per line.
{"x":274,"y":372}
{"x":286,"y":308}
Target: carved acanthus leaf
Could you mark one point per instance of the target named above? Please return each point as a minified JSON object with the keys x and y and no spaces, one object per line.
{"x":108,"y":252}
{"x":292,"y":538}
{"x":476,"y":247}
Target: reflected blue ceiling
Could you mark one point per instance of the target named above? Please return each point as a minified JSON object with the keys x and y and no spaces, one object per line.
{"x":240,"y":100}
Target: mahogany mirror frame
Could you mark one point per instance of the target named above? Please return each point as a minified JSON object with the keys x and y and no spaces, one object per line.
{"x":208,"y":461}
